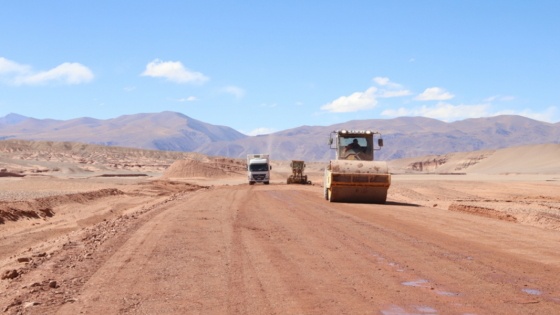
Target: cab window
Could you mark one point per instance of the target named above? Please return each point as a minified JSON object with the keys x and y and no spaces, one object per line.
{"x":355,"y":147}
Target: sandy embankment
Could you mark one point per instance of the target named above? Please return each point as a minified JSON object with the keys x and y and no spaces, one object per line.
{"x":529,"y":159}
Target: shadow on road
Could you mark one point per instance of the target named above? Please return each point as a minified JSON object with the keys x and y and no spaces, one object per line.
{"x":394,"y":203}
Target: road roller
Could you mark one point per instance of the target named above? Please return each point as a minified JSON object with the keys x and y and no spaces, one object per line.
{"x":355,"y":176}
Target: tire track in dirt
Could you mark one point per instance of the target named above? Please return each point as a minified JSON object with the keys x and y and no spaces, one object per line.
{"x":354,"y":267}
{"x":245,"y":290}
{"x":433,"y":249}
{"x":282,"y":249}
{"x":147,"y":275}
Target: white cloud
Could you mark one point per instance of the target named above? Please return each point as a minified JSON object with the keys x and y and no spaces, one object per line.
{"x":188,"y":99}
{"x":503,"y":98}
{"x":385,"y":82}
{"x":173,"y":71}
{"x":366,"y":100}
{"x":237,"y":91}
{"x":547,"y":115}
{"x":355,"y":102}
{"x":411,"y":60}
{"x":491,"y":98}
{"x":448,"y":112}
{"x":260,"y":131}
{"x":381,"y":81}
{"x":130,"y":88}
{"x":299,"y":103}
{"x":394,"y":93}
{"x":268,"y":105}
{"x":434,"y":94}
{"x":67,"y":73}
{"x":8,"y":66}
{"x":443,"y":111}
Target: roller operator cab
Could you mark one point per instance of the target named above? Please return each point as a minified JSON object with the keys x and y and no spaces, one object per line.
{"x":258,"y":168}
{"x":354,"y":176}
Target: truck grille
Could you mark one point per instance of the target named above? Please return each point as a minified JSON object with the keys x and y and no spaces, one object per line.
{"x":259,"y":176}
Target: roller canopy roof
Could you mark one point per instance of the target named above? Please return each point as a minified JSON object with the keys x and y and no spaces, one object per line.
{"x":355,"y":132}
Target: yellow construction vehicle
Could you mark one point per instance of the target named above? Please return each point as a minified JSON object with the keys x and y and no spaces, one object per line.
{"x":297,"y":176}
{"x":354,"y":176}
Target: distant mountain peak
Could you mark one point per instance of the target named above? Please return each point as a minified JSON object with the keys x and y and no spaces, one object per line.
{"x":12,"y":119}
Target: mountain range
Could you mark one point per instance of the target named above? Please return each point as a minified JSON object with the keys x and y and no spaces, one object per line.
{"x":170,"y":131}
{"x":403,"y":137}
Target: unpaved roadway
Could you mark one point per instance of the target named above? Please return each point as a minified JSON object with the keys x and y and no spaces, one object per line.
{"x":282,"y":249}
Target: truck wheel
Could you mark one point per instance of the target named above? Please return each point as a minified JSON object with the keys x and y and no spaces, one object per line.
{"x":251,"y":183}
{"x":266,"y":183}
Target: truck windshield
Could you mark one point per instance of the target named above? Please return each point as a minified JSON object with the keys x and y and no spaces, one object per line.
{"x":258,"y":167}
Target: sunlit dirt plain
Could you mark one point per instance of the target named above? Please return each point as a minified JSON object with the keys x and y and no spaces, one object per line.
{"x":115,"y":232}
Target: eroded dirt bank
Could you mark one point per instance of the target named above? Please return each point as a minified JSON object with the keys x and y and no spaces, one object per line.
{"x":534,"y":201}
{"x":43,"y":207}
{"x":285,"y":250}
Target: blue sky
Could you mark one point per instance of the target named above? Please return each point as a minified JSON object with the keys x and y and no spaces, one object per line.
{"x":263,"y":66}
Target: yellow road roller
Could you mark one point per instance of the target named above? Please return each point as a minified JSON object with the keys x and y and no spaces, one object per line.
{"x":354,"y":176}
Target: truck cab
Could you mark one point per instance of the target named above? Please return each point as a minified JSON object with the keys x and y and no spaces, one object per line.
{"x":258,"y":168}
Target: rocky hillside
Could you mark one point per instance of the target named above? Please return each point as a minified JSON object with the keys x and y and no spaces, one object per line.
{"x":49,"y":157}
{"x":529,"y":159}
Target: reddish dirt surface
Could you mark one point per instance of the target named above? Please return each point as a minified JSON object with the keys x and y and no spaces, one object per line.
{"x":43,"y":207}
{"x":283,"y":249}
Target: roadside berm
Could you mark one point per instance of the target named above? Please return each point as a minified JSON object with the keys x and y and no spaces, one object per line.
{"x":216,"y":168}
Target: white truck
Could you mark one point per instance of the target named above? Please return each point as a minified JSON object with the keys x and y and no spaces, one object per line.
{"x":258,"y":168}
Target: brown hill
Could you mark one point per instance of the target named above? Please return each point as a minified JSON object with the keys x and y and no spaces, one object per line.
{"x":51,"y":157}
{"x":160,"y":131}
{"x":404,"y":137}
{"x":216,"y":168}
{"x":530,"y":159}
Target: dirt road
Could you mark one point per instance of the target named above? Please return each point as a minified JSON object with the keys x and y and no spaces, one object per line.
{"x":282,"y":249}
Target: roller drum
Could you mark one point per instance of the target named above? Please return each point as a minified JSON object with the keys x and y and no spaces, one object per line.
{"x":357,"y":181}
